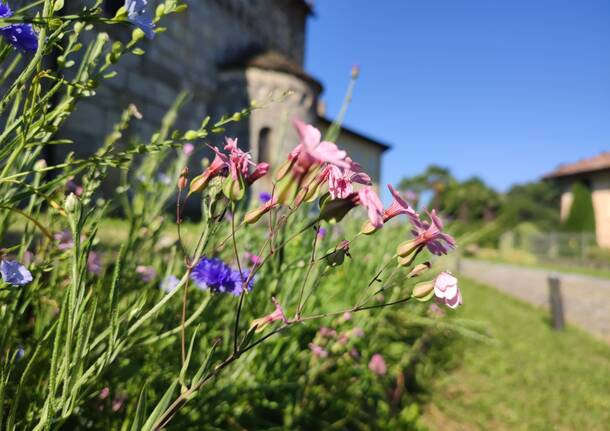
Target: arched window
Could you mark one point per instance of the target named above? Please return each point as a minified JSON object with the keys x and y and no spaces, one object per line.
{"x":111,"y":7}
{"x":264,"y":145}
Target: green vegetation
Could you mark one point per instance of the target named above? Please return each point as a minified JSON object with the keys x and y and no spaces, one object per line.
{"x":474,"y":206}
{"x":532,"y":378}
{"x":582,"y":215}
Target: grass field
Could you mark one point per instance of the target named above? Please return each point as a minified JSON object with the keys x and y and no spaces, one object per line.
{"x":532,"y":378}
{"x":570,"y":269}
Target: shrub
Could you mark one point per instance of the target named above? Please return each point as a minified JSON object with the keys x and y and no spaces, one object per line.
{"x":582,"y":215}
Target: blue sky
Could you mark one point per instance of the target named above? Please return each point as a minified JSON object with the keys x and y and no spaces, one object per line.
{"x":502,"y":89}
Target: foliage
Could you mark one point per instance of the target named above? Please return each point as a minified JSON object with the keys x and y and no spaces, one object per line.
{"x":105,"y":337}
{"x":582,"y":215}
{"x":474,"y":206}
{"x":522,"y":380}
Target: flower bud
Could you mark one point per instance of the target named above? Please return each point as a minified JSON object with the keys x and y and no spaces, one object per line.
{"x":368,"y":228}
{"x":71,"y":203}
{"x":40,"y":165}
{"x":423,"y":291}
{"x":199,"y":182}
{"x":254,"y":215}
{"x":407,"y":260}
{"x":284,"y":169}
{"x":407,"y":248}
{"x":419,"y":269}
{"x":234,"y":189}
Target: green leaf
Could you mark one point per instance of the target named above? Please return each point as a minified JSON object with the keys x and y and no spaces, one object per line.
{"x":161,"y":407}
{"x":138,"y":420}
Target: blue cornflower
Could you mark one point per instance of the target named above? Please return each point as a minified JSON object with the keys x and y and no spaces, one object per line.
{"x":217,"y":276}
{"x":211,"y":274}
{"x":14,"y":273}
{"x":169,"y":283}
{"x":238,"y":279}
{"x":138,"y":15}
{"x":21,"y":36}
{"x":264,"y":197}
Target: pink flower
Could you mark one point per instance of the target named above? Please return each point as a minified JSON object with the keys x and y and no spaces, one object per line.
{"x":369,"y":199}
{"x":72,"y":187}
{"x":431,"y":235}
{"x":340,"y":180}
{"x":65,"y":239}
{"x":277,"y":314}
{"x":104,"y":393}
{"x":254,"y":259}
{"x":446,"y":290}
{"x":94,"y":263}
{"x":327,"y":332}
{"x":435,"y":311}
{"x":239,"y":161}
{"x":399,"y":206}
{"x":260,"y":171}
{"x":147,"y":273}
{"x":188,"y":149}
{"x":312,"y":149}
{"x":117,"y":403}
{"x":318,"y":351}
{"x":377,"y":365}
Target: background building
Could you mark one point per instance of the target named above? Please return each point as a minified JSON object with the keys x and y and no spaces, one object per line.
{"x":224,"y":53}
{"x":595,"y":174}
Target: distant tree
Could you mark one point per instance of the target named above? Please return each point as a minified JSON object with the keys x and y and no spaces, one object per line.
{"x":472,"y":204}
{"x":435,"y":180}
{"x":582,"y":216}
{"x":535,"y":202}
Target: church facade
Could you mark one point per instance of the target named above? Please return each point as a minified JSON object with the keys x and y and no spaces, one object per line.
{"x":225,"y":54}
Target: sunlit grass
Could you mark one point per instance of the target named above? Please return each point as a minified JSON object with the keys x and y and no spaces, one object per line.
{"x":532,"y":379}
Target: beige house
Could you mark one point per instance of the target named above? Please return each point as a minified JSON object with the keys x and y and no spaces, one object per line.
{"x":595,"y":173}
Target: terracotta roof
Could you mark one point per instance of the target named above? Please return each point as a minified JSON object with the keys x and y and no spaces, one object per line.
{"x":593,"y":164}
{"x":384,"y":147}
{"x":271,"y":60}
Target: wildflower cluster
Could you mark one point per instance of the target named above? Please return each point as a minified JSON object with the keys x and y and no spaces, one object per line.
{"x":86,"y":304}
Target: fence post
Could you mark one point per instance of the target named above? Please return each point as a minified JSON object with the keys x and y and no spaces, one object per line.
{"x":556,"y":302}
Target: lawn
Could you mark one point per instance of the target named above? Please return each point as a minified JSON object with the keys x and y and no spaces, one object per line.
{"x":531,"y":379}
{"x":558,"y":267}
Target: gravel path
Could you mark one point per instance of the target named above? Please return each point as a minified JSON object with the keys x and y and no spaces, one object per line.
{"x":586,"y":299}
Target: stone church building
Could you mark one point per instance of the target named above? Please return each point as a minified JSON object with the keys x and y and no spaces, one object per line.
{"x":224,"y":53}
{"x":595,"y":174}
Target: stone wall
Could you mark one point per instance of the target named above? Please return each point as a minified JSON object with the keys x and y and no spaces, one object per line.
{"x":186,"y":57}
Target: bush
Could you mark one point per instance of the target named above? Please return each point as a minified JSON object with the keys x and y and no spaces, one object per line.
{"x":582,"y":215}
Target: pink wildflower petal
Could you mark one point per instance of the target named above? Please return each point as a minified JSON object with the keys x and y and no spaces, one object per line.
{"x":370,"y":200}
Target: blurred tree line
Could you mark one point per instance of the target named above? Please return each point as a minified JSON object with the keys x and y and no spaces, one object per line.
{"x":474,"y":205}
